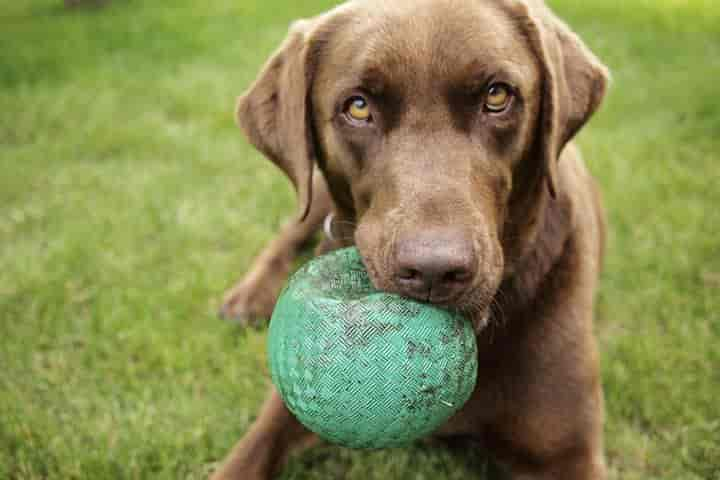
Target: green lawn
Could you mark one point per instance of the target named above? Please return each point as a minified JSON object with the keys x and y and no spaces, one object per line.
{"x":129,"y":202}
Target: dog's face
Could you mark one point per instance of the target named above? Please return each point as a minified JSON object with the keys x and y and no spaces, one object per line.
{"x":420,"y":130}
{"x":433,"y":121}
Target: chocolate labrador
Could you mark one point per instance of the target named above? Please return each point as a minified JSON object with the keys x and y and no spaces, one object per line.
{"x":438,"y":133}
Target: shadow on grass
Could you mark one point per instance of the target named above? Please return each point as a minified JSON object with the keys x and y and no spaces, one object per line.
{"x":457,"y":458}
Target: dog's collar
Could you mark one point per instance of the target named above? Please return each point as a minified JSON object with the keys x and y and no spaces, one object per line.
{"x":327,"y":227}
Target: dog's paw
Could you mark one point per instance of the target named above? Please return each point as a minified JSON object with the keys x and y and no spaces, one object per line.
{"x":248,"y":304}
{"x":251,"y":302}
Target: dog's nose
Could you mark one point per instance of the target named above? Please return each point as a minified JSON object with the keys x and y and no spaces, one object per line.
{"x":434,"y":265}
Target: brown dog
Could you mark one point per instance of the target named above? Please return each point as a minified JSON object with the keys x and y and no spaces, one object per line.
{"x":440,"y":130}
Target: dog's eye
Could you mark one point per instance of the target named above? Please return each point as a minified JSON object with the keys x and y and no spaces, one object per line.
{"x":498,"y":97}
{"x":358,"y":109}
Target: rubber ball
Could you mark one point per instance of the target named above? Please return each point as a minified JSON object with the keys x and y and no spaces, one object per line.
{"x":364,"y":368}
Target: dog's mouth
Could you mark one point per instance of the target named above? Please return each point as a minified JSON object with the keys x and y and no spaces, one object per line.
{"x":474,"y":303}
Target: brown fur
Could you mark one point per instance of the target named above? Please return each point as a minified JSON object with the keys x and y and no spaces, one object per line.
{"x":511,"y":184}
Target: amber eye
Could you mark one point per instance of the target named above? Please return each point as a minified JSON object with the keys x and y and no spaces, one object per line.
{"x":498,"y":97}
{"x":357,"y":109}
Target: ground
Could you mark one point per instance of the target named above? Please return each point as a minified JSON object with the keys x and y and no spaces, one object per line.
{"x":129,"y":202}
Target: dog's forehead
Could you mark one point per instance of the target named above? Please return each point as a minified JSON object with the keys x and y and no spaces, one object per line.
{"x":408,"y":43}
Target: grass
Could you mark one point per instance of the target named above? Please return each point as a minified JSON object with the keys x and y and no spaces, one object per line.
{"x":128,"y":203}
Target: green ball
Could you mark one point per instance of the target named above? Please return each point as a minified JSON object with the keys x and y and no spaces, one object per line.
{"x":363,"y":368}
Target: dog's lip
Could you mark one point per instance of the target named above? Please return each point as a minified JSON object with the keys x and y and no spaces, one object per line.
{"x":372,"y":272}
{"x":445,"y":301}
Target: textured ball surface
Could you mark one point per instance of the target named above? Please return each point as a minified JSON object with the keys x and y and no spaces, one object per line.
{"x":363,"y":368}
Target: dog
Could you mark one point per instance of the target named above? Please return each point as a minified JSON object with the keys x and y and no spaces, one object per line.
{"x":438,"y":134}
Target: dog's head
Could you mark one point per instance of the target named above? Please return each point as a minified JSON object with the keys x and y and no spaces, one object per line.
{"x":438,"y":125}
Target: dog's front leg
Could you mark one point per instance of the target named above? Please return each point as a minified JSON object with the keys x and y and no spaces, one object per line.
{"x":558,"y":441}
{"x":264,"y":449}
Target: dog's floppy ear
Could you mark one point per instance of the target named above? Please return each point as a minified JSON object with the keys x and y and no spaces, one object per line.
{"x":574,"y":83}
{"x":276,"y":115}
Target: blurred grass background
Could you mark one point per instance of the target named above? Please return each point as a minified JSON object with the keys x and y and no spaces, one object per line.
{"x":129,"y":202}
